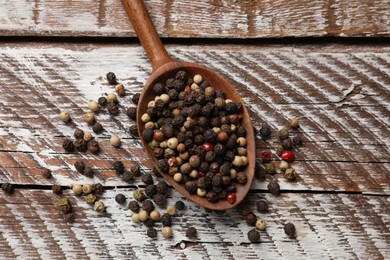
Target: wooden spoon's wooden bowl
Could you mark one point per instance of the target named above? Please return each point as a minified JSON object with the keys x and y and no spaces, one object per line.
{"x":165,"y":67}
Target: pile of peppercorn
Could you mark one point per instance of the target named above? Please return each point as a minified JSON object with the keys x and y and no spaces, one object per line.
{"x":196,"y":133}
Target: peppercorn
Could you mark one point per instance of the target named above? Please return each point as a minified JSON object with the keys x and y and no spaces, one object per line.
{"x":160,"y":200}
{"x":119,"y":167}
{"x":80,"y":145}
{"x":287,"y":144}
{"x":297,"y":140}
{"x":179,"y":205}
{"x":191,"y":187}
{"x":120,"y":198}
{"x":64,"y":205}
{"x":151,"y":232}
{"x":56,"y":189}
{"x":102,"y":101}
{"x":128,"y":177}
{"x":89,"y":172}
{"x":99,"y":206}
{"x":270,"y":168}
{"x":288,"y":156}
{"x":253,"y":235}
{"x":261,"y":224}
{"x":217,"y":180}
{"x":241,"y":178}
{"x":78,"y":134}
{"x":133,"y":129}
{"x":98,"y":188}
{"x":97,"y":128}
{"x":68,"y":145}
{"x":87,"y":137}
{"x":191,"y":232}
{"x":87,"y":188}
{"x":90,"y":199}
{"x":148,"y":134}
{"x":210,"y":156}
{"x":289,"y":229}
{"x":265,"y":132}
{"x":133,"y":206}
{"x":135,"y":98}
{"x":135,"y":218}
{"x":149,"y":223}
{"x":69,"y":217}
{"x":115,"y":140}
{"x":251,"y":219}
{"x":150,"y":190}
{"x":131,"y":112}
{"x":120,"y":90}
{"x":162,"y":165}
{"x":94,"y":106}
{"x":212,"y":196}
{"x":166,"y":232}
{"x":64,"y":116}
{"x":283,"y":166}
{"x":158,"y":89}
{"x":111,"y":78}
{"x":155,"y":215}
{"x":283,"y":133}
{"x":162,"y":187}
{"x":148,"y":205}
{"x":113,"y":109}
{"x":93,"y":146}
{"x":147,"y":178}
{"x":7,"y":188}
{"x":290,"y":174}
{"x":210,"y":135}
{"x":166,"y":220}
{"x":273,"y":187}
{"x":80,"y":166}
{"x":262,"y":206}
{"x":77,"y":189}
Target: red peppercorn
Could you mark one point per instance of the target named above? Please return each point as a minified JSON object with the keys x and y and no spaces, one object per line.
{"x":231,"y":197}
{"x":200,"y":175}
{"x":172,"y":161}
{"x":187,"y":88}
{"x":288,"y":156}
{"x":208,"y":147}
{"x":266,"y":156}
{"x":158,"y":136}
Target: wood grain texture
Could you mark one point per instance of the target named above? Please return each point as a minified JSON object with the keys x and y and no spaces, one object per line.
{"x":340,"y":95}
{"x":205,"y":19}
{"x":329,"y":226}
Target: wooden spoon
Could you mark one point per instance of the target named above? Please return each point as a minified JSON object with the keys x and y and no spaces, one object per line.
{"x":165,"y":67}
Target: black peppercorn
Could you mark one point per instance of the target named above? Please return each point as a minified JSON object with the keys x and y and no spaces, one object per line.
{"x":93,"y":146}
{"x":265,"y":132}
{"x":191,"y":187}
{"x":149,"y":223}
{"x":80,"y":145}
{"x":135,"y":98}
{"x":160,"y":200}
{"x":7,"y":188}
{"x":78,"y":134}
{"x":119,"y":167}
{"x":210,"y":135}
{"x":231,"y":188}
{"x":297,"y":140}
{"x":102,"y":101}
{"x":212,"y":196}
{"x":181,"y":75}
{"x":163,"y":165}
{"x":113,"y":109}
{"x":289,"y":229}
{"x":156,"y":172}
{"x":148,"y":134}
{"x":133,"y":129}
{"x":158,"y":89}
{"x":131,"y":112}
{"x":209,"y":156}
{"x":80,"y":166}
{"x":151,"y":232}
{"x":120,"y":198}
{"x":283,"y":133}
{"x":273,"y":187}
{"x":229,"y":156}
{"x":166,"y":220}
{"x":133,"y":206}
{"x":56,"y":189}
{"x":262,"y":206}
{"x":226,"y":181}
{"x":68,"y":145}
{"x":46,"y":173}
{"x":241,"y":178}
{"x":97,"y":128}
{"x":241,"y":131}
{"x":162,"y":187}
{"x":217,"y":180}
{"x":88,"y":172}
{"x":150,"y":190}
{"x":98,"y":188}
{"x":111,"y":78}
{"x":260,"y":172}
{"x":287,"y":144}
{"x":147,"y":178}
{"x":128,"y":176}
{"x":231,"y":108}
{"x":203,"y":183}
{"x":179,"y":205}
{"x":135,"y":170}
{"x":219,"y":149}
{"x":253,"y":235}
{"x":191,"y":232}
{"x":251,"y":219}
{"x":148,"y":206}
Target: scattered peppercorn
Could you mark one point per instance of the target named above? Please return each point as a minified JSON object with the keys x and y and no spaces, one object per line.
{"x":97,"y":128}
{"x":102,"y":101}
{"x":288,"y":156}
{"x":289,"y":229}
{"x":113,"y":109}
{"x":133,"y":206}
{"x":111,"y":78}
{"x":135,"y":98}
{"x":166,"y":232}
{"x":148,"y":205}
{"x":89,"y":172}
{"x":93,"y":146}
{"x":135,"y":170}
{"x":166,"y":220}
{"x":68,"y":145}
{"x":270,"y":168}
{"x":155,"y":215}
{"x":262,"y":206}
{"x":80,"y":166}
{"x":162,"y":187}
{"x":78,"y":134}
{"x":160,"y":200}
{"x":251,"y":219}
{"x":290,"y":174}
{"x":297,"y":140}
{"x":77,"y":189}
{"x":179,"y":205}
{"x":99,"y":206}
{"x":253,"y":235}
{"x":94,"y":106}
{"x":64,"y":116}
{"x":151,"y":232}
{"x":133,"y":129}
{"x":261,"y":224}
{"x":191,"y":232}
{"x":283,"y":133}
{"x":265,"y":132}
{"x":90,"y":199}
{"x":287,"y":144}
{"x":294,"y":123}
{"x":128,"y":176}
{"x":115,"y":141}
{"x":131,"y":112}
{"x":147,"y":179}
{"x":273,"y":187}
{"x":64,"y":205}
{"x":120,"y":198}
{"x":80,"y":145}
{"x":7,"y":188}
{"x":150,"y":190}
{"x":56,"y":189}
{"x":120,"y":90}
{"x":139,"y":195}
{"x":98,"y":188}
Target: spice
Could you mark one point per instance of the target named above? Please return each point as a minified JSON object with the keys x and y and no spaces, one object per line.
{"x":191,"y":187}
{"x":102,"y":101}
{"x":261,"y":224}
{"x":131,"y":112}
{"x":97,"y":128}
{"x":99,"y":206}
{"x":93,"y":146}
{"x":150,"y":190}
{"x":155,"y":215}
{"x":115,"y":141}
{"x":151,"y":232}
{"x":241,"y":178}
{"x":133,"y":129}
{"x":94,"y":106}
{"x":68,"y":145}
{"x":253,"y":235}
{"x":133,"y":206}
{"x":251,"y":219}
{"x":273,"y":187}
{"x":270,"y":168}
{"x":87,"y":137}
{"x":113,"y":109}
{"x":98,"y":188}
{"x":120,"y":198}
{"x":78,"y":134}
{"x":56,"y":189}
{"x":166,"y":232}
{"x":90,"y":199}
{"x":171,"y":210}
{"x":287,"y":144}
{"x":64,"y":116}
{"x":80,"y":145}
{"x":294,"y":123}
{"x":147,"y":179}
{"x":231,"y":197}
{"x":46,"y":173}
{"x":111,"y":78}
{"x":289,"y":229}
{"x":162,"y":187}
{"x":266,"y":156}
{"x":64,"y":205}
{"x":179,"y":205}
{"x":139,"y":195}
{"x":160,"y":200}
{"x":166,"y":220}
{"x":87,"y":188}
{"x":89,"y":118}
{"x":79,"y":166}
{"x":265,"y":132}
{"x":7,"y":188}
{"x":290,"y":174}
{"x":297,"y":140}
{"x":120,"y":90}
{"x":119,"y":167}
{"x":288,"y":156}
{"x":135,"y":170}
{"x":143,"y":215}
{"x":262,"y":206}
{"x":283,"y":133}
{"x":135,"y":98}
{"x":135,"y":218}
{"x":111,"y":98}
{"x":77,"y":189}
{"x":148,"y":205}
{"x":89,"y":172}
{"x":283,"y":165}
{"x":191,"y":232}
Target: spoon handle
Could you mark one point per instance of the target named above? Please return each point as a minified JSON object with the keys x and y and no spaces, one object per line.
{"x":147,"y":34}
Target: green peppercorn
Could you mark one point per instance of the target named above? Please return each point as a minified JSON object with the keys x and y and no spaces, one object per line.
{"x":139,"y":195}
{"x":64,"y":205}
{"x":290,"y":174}
{"x":90,"y":199}
{"x":99,"y":206}
{"x":270,"y":168}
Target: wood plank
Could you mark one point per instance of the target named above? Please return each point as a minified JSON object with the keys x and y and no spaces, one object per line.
{"x":340,"y":95}
{"x":178,"y":18}
{"x":328,"y":226}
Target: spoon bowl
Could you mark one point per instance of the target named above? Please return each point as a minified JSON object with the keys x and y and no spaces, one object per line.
{"x":165,"y":67}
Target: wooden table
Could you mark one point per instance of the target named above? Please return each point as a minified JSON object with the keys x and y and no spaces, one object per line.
{"x":326,"y":63}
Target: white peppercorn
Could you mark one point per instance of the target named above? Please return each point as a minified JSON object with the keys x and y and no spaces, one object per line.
{"x":94,"y":106}
{"x":115,"y":141}
{"x":64,"y":116}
